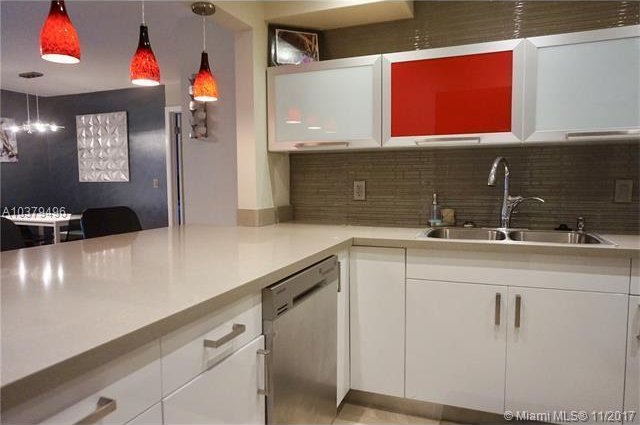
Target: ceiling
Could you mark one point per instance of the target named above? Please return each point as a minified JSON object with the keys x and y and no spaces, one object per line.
{"x":108,"y":32}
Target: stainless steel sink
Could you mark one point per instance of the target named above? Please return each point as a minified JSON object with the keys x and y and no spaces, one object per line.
{"x":557,"y":237}
{"x":466,"y":234}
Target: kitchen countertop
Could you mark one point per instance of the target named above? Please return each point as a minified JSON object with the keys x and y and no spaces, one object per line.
{"x":87,"y":301}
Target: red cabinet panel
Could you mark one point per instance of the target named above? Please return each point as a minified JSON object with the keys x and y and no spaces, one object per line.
{"x":452,"y":95}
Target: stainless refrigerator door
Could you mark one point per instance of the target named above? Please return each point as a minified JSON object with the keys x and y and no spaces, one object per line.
{"x":304,"y":355}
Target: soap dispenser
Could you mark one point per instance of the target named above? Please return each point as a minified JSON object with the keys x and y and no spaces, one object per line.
{"x":436,"y":214}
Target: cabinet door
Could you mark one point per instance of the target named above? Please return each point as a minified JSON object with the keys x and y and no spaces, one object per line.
{"x":567,"y":351}
{"x":329,"y":104}
{"x":632,"y":391}
{"x":456,"y":340}
{"x":377,"y":301}
{"x":584,"y":85}
{"x":225,"y":394}
{"x":344,"y":378}
{"x":454,"y":95}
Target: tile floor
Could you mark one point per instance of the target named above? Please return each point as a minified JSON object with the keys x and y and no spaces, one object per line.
{"x":352,"y":414}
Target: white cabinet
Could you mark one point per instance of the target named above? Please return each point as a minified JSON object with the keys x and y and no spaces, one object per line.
{"x":330,"y":104}
{"x":583,"y":86}
{"x":225,"y":394}
{"x":456,"y":338}
{"x":152,"y":416}
{"x":632,"y":389}
{"x":343,"y":366}
{"x":377,"y":279}
{"x":565,"y":350}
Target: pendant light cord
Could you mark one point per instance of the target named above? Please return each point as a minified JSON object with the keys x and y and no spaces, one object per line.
{"x":204,"y":35}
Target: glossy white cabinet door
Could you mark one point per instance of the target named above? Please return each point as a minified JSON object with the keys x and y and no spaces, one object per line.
{"x":344,"y":374}
{"x":330,"y":104}
{"x":225,"y":394}
{"x":377,"y":279}
{"x":456,"y":341}
{"x":568,"y":352}
{"x":632,"y":389}
{"x":580,"y":83}
{"x":152,"y":416}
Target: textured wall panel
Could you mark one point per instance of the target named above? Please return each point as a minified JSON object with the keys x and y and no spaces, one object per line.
{"x":574,"y":180}
{"x":103,"y":147}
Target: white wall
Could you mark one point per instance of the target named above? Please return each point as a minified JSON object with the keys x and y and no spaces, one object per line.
{"x":210,"y":165}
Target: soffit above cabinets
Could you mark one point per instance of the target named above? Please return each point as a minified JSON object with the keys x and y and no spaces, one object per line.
{"x":326,"y":15}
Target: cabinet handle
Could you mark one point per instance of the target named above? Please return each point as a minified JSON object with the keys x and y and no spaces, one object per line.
{"x":316,"y":144}
{"x":103,"y":408}
{"x":267,"y":373}
{"x":578,"y":135}
{"x":496,"y":319}
{"x":461,"y":140}
{"x":236,"y":329}
{"x":518,"y":308}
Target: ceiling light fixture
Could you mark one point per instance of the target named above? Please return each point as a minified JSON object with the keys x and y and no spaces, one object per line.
{"x":37,"y":126}
{"x":59,"y":40}
{"x":144,"y":69}
{"x":205,"y":86}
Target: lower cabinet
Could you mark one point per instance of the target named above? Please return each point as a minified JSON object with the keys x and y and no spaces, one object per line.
{"x":632,"y":392}
{"x":565,"y":350}
{"x":377,"y":301}
{"x":224,"y":394}
{"x":343,"y":363}
{"x":456,"y":337}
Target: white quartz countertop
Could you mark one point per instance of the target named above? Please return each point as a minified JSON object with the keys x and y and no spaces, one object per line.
{"x":62,"y":301}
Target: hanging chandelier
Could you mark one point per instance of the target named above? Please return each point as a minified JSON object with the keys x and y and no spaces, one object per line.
{"x":36,"y":126}
{"x":144,"y":69}
{"x":205,"y":86}
{"x":59,"y":40}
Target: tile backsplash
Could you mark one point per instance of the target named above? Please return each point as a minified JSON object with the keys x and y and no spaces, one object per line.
{"x":574,"y":181}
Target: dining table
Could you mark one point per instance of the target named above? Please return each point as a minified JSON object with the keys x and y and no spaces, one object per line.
{"x":44,"y":220}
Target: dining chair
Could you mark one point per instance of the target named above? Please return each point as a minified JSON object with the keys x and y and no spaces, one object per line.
{"x":10,"y":236}
{"x":96,"y":222}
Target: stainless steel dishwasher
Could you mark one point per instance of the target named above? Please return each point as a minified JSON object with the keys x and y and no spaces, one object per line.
{"x":300,"y":325}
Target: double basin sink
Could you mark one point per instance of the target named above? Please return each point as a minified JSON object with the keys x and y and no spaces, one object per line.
{"x":541,"y":236}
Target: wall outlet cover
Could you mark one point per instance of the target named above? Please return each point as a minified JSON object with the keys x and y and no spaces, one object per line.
{"x":623,"y":193}
{"x":359,"y":190}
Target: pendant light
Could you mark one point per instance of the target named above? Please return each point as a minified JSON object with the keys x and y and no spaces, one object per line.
{"x":59,"y":40}
{"x":205,"y":86}
{"x":144,"y":69}
{"x":37,"y":126}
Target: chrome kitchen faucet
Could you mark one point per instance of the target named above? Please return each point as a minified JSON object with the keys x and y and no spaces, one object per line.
{"x":509,"y":203}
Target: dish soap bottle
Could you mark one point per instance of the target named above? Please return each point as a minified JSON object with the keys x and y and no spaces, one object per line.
{"x":436,"y":214}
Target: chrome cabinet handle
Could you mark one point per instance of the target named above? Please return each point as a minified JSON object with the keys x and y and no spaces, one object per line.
{"x":420,"y":142}
{"x":236,"y":329}
{"x":576,"y":135}
{"x":518,"y":308}
{"x":316,"y":144}
{"x":103,"y":408}
{"x":496,"y":319}
{"x":267,"y":373}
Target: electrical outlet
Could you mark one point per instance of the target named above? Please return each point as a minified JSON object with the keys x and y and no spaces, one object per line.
{"x":623,"y":193}
{"x":156,"y":183}
{"x":359,"y":190}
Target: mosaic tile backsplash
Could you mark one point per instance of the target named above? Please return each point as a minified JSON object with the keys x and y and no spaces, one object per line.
{"x":574,"y":181}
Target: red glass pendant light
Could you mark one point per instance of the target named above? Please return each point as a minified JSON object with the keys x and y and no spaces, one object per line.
{"x":205,"y":86}
{"x":59,"y":40}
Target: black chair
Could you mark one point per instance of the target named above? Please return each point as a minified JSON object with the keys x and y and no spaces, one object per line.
{"x":96,"y":222}
{"x":10,"y":235}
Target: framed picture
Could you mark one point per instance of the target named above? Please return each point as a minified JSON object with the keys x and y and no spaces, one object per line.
{"x":293,"y":47}
{"x":9,"y":147}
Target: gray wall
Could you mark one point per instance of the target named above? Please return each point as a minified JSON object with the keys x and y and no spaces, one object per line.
{"x":575,"y":180}
{"x":47,"y":171}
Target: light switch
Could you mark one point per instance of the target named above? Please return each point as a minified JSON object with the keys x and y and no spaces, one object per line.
{"x":359,"y":190}
{"x":623,"y":193}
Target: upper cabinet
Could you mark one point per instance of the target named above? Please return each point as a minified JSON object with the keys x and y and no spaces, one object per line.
{"x":325,"y":105}
{"x":583,"y":86}
{"x":461,"y":95}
